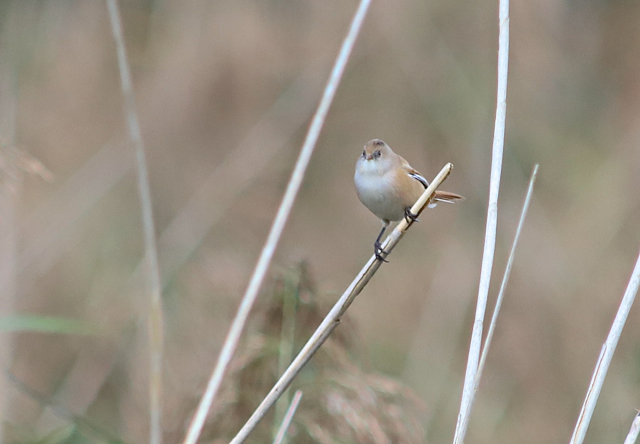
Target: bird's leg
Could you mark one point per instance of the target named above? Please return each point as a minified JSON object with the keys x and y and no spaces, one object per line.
{"x":409,"y":216}
{"x":377,"y":247}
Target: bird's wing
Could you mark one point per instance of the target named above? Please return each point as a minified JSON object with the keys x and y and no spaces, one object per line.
{"x":413,"y":173}
{"x":440,"y":196}
{"x":417,"y":176}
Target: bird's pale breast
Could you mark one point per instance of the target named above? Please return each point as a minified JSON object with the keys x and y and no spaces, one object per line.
{"x":379,"y":192}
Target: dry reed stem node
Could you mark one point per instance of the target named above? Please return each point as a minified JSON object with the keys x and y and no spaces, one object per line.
{"x":332,"y":319}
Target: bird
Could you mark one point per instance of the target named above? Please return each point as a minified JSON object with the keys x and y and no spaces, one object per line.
{"x":388,"y":186}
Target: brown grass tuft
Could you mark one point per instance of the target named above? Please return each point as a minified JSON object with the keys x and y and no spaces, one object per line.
{"x":343,"y":400}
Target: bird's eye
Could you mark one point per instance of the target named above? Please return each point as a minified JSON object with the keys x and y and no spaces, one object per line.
{"x":376,"y":153}
{"x":364,"y":153}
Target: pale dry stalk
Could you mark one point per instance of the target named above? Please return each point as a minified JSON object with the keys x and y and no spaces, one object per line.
{"x":632,"y":436}
{"x":251,"y":293}
{"x":491,"y":228}
{"x":155,"y":323}
{"x":332,"y":320}
{"x":606,"y":355}
{"x":288,"y":417}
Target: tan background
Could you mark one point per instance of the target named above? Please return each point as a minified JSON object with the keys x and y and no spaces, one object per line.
{"x":229,"y":87}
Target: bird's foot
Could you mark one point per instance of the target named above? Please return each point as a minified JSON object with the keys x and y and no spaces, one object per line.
{"x":378,"y":251}
{"x":409,"y":216}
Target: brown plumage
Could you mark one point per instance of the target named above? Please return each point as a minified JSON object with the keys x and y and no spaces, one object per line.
{"x":388,"y":186}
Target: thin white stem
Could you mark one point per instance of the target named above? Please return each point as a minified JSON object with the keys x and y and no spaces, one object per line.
{"x":632,"y":436}
{"x":505,"y":279}
{"x":331,"y":321}
{"x":233,"y":336}
{"x":288,"y":417}
{"x":492,"y":221}
{"x":606,"y":354}
{"x":155,"y":326}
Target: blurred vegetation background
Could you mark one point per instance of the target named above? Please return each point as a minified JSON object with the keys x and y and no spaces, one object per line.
{"x":224,"y":91}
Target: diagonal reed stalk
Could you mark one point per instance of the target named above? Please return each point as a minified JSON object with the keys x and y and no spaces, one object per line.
{"x":151,"y":254}
{"x":331,"y":321}
{"x":634,"y":431}
{"x":606,"y":354}
{"x":288,"y":417}
{"x":503,"y":286}
{"x":233,"y":336}
{"x":492,"y":220}
{"x":505,"y":278}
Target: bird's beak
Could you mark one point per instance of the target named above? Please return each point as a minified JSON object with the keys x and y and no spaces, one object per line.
{"x":369,"y":157}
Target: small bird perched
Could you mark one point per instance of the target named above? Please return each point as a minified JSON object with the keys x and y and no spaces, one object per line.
{"x":388,"y":186}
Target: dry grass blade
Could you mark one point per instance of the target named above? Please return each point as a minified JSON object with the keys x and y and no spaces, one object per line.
{"x":231,"y":341}
{"x":492,"y":221}
{"x":602,"y":366}
{"x":332,"y":319}
{"x":634,"y":431}
{"x":503,"y":286}
{"x":288,"y":417}
{"x":287,"y":340}
{"x":151,"y":253}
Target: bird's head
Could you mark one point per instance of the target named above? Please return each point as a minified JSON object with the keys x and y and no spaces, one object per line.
{"x":376,"y":158}
{"x":376,"y":150}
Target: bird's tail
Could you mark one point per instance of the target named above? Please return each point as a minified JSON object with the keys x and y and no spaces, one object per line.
{"x":444,"y":196}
